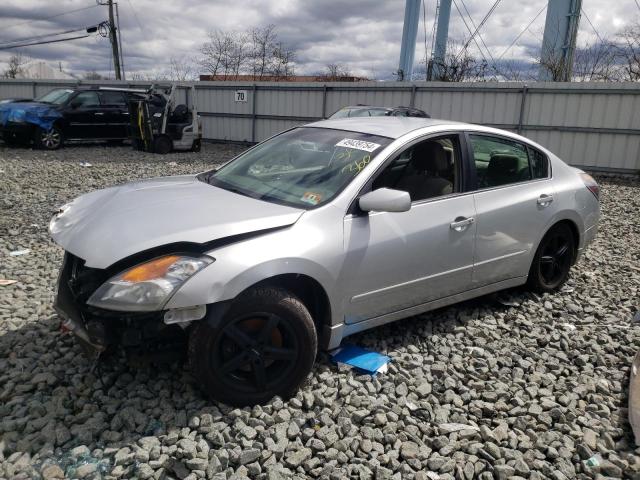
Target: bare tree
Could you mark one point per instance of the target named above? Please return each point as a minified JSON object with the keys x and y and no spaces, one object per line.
{"x":226,"y":53}
{"x":180,"y":70}
{"x":282,"y":65}
{"x":256,"y":52}
{"x":335,"y":71}
{"x":595,"y":62}
{"x":460,"y":66}
{"x":215,"y":52}
{"x":15,"y":66}
{"x":628,"y":53}
{"x":93,"y":75}
{"x":262,"y":46}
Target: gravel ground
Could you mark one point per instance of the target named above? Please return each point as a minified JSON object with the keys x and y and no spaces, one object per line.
{"x":507,"y":386}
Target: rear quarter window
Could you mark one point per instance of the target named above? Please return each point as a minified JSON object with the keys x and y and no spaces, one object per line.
{"x":539,"y":163}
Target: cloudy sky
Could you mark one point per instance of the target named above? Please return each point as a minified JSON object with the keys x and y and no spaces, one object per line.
{"x":361,"y":34}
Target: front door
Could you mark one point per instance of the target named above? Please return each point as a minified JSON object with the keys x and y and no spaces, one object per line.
{"x":84,"y":117}
{"x":396,"y":261}
{"x":514,"y":204}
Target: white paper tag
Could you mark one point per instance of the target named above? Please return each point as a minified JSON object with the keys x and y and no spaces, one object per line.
{"x":358,"y":144}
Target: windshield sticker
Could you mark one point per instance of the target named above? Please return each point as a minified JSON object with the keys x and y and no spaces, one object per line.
{"x":356,"y":166}
{"x":312,"y":198}
{"x":357,"y":144}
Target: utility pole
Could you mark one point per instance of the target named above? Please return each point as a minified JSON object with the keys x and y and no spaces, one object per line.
{"x":559,"y":41}
{"x":442,"y":36}
{"x":113,"y":36}
{"x":409,"y":33}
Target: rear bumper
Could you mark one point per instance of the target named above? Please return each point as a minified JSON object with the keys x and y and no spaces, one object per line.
{"x":588,"y":236}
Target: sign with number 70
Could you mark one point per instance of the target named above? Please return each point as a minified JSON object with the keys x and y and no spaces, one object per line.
{"x":241,"y":95}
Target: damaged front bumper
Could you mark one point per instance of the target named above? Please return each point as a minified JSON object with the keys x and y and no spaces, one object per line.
{"x":141,"y":334}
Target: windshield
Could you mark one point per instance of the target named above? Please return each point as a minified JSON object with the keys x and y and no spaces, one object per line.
{"x":57,"y":96}
{"x":304,"y":167}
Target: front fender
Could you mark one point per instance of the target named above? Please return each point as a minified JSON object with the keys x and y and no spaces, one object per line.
{"x":224,"y":280}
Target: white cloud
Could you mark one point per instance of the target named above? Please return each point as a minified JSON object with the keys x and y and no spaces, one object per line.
{"x":361,"y":34}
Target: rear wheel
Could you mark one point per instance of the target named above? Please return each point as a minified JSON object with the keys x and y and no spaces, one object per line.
{"x":48,"y":139}
{"x":553,"y":259}
{"x":264,"y":346}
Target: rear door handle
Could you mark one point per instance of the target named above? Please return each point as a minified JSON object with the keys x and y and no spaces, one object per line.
{"x":460,"y":224}
{"x":544,"y":200}
{"x":99,"y":113}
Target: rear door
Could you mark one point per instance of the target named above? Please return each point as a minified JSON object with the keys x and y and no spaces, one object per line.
{"x":116,"y":114}
{"x":84,"y":117}
{"x":514,"y":205}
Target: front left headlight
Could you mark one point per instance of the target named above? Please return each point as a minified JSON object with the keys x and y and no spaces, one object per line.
{"x":148,"y":286}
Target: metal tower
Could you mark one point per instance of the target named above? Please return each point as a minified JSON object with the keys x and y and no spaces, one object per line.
{"x":409,"y":32}
{"x":559,"y":42}
{"x":442,"y":36}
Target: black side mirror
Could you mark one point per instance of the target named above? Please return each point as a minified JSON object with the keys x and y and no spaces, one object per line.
{"x":75,"y":104}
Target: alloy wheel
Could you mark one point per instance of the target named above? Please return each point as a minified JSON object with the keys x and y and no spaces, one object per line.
{"x":51,"y":139}
{"x":555,"y":259}
{"x":255,"y":352}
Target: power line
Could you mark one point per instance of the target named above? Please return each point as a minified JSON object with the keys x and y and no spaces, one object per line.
{"x":135,"y":15}
{"x":522,"y":32}
{"x":594,"y":28}
{"x":477,"y":28}
{"x":638,"y":4}
{"x":36,"y":37}
{"x":49,"y":18}
{"x":470,"y":32}
{"x":42,"y":43}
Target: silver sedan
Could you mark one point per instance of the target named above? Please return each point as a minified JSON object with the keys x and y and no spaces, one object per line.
{"x":313,"y":235}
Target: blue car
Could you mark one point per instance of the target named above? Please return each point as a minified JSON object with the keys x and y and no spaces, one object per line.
{"x":66,"y":114}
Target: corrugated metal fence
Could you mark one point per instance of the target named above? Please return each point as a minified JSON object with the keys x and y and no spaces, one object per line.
{"x":594,"y":125}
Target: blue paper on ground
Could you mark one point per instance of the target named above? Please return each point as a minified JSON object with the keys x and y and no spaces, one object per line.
{"x":365,"y":360}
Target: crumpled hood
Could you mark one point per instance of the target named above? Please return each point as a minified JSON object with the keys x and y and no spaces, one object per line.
{"x":41,"y":114}
{"x":106,"y":226}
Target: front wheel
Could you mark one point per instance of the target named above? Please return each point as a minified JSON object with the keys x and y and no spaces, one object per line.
{"x":48,"y":139}
{"x":553,"y":259}
{"x":264,"y":346}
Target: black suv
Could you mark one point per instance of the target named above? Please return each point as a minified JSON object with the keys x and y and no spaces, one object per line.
{"x":83,"y":113}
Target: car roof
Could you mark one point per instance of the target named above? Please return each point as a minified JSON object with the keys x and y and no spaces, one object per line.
{"x":391,"y":127}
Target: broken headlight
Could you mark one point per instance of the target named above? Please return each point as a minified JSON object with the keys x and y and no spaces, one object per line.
{"x":148,"y":286}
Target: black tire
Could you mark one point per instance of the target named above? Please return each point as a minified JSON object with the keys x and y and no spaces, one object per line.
{"x":51,"y":139}
{"x":265,"y":345}
{"x":553,"y":260}
{"x":196,"y":146}
{"x":162,"y":145}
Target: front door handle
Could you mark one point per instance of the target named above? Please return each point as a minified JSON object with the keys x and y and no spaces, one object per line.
{"x":544,"y":200}
{"x":460,"y":224}
{"x":99,"y":113}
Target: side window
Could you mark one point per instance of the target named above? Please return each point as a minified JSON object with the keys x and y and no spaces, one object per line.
{"x":86,"y":99}
{"x":112,"y":98}
{"x":426,"y":170}
{"x":499,"y":161}
{"x":539,"y":163}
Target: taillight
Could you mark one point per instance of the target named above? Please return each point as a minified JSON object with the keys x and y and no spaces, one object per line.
{"x":591,"y":184}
